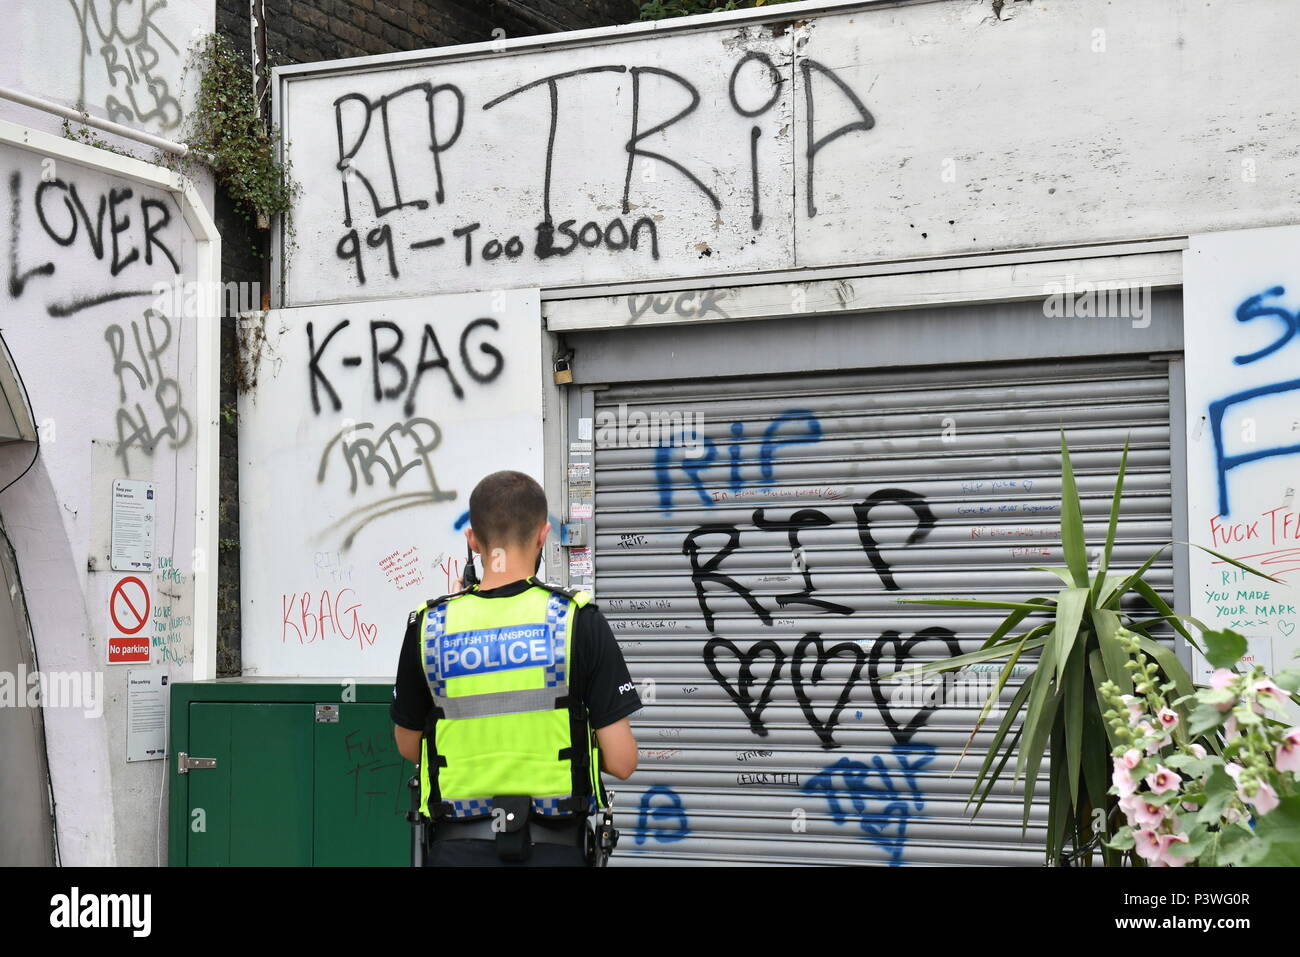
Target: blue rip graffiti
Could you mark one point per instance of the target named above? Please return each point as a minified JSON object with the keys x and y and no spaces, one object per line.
{"x":881,"y":799}
{"x":669,"y":457}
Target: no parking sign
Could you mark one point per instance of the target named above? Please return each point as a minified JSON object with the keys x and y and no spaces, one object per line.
{"x":129,"y":607}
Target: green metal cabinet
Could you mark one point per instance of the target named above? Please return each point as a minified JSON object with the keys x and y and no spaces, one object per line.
{"x":302,"y":777}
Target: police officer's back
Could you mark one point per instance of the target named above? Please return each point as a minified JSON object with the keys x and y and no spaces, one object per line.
{"x":513,"y":696}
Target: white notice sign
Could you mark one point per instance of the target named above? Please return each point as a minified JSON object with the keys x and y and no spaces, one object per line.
{"x":135,"y":510}
{"x":146,"y":714}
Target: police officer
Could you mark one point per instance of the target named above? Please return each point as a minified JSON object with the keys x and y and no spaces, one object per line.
{"x":513,"y":696}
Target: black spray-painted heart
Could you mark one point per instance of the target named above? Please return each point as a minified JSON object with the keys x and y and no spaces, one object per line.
{"x":902,"y":650}
{"x":740,"y":692}
{"x":810,"y":650}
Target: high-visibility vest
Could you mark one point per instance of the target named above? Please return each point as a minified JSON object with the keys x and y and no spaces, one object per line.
{"x":504,"y":720}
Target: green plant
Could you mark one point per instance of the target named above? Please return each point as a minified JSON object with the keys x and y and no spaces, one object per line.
{"x":226,"y":128}
{"x":663,"y":9}
{"x":1221,"y":788}
{"x":1080,"y":647}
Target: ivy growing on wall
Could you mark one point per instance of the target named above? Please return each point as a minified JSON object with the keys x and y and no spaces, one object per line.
{"x":226,"y":129}
{"x":663,"y":9}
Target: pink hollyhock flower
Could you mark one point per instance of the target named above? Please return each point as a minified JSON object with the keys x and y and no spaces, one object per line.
{"x":1168,"y":718}
{"x":1288,"y":752}
{"x":1197,"y":750}
{"x":1266,"y":687}
{"x":1148,"y":816}
{"x":1223,"y":678}
{"x":1131,"y":758}
{"x":1147,"y":844}
{"x":1162,"y":779}
{"x":1136,"y":708}
{"x":1265,"y":798}
{"x":1167,"y":841}
{"x":1129,"y":804}
{"x":1122,"y":779}
{"x":1230,"y":729}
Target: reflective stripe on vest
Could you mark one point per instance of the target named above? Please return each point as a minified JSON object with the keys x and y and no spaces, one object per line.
{"x":488,"y":651}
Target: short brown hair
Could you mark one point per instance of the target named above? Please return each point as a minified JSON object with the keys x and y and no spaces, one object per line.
{"x":506,"y":509}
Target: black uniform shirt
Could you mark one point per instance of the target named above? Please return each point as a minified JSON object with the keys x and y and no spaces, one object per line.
{"x":599,"y":676}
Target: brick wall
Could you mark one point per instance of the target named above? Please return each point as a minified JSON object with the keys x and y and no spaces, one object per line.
{"x":307,"y":31}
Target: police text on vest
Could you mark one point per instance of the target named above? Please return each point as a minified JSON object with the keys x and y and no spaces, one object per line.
{"x":495,"y":649}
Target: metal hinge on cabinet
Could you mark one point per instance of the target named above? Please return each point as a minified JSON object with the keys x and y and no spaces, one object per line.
{"x":185,"y":764}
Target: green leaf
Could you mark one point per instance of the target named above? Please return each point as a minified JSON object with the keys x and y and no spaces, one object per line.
{"x":1072,"y":684}
{"x":1107,"y":589}
{"x":1223,"y":649}
{"x":1072,"y":535}
{"x":1220,"y":790}
{"x":1015,"y":618}
{"x":961,"y":661}
{"x":1127,"y":585}
{"x":1277,"y":835}
{"x":979,"y":603}
{"x":1070,"y":605}
{"x":1158,"y":603}
{"x":1168,"y":663}
{"x":1115,"y":658}
{"x":1063,"y":574}
{"x":1102,"y":579}
{"x":1233,"y":561}
{"x":1036,"y":737}
{"x":1288,"y":680}
{"x":1008,"y":719}
{"x":1123,"y":841}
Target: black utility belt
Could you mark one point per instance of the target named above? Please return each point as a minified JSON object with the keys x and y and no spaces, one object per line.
{"x":480,"y":829}
{"x":512,"y":828}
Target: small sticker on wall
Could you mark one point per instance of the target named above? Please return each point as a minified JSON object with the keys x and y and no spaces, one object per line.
{"x":580,"y":448}
{"x":580,"y":562}
{"x":579,"y":510}
{"x":584,"y":429}
{"x":579,"y":472}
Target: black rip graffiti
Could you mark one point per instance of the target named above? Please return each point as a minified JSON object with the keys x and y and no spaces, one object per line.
{"x":708,"y":570}
{"x":803,"y":518}
{"x":740,"y":692}
{"x":363,"y":454}
{"x":415,"y":106}
{"x":401,"y":449}
{"x":130,"y":60}
{"x":825,"y":730}
{"x":385,"y":359}
{"x":152,"y":337}
{"x":902,"y":650}
{"x":437,"y":146}
{"x":811,"y":657}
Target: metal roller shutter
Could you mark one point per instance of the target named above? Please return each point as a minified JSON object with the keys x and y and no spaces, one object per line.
{"x":753,"y":583}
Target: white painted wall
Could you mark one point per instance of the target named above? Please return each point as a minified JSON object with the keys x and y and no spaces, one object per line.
{"x":1241,"y":298}
{"x":62,"y":322}
{"x":352,"y":500}
{"x":1064,"y":123}
{"x":121,"y":60}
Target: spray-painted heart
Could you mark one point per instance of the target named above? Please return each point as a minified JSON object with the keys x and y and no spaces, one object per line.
{"x":811,"y":651}
{"x":902,"y":650}
{"x":740,"y":691}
